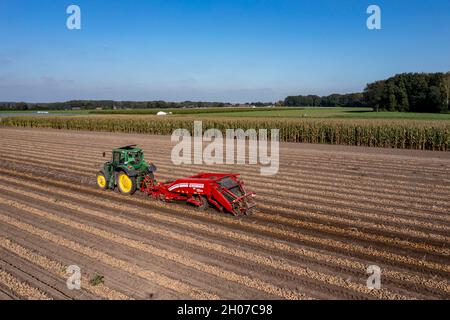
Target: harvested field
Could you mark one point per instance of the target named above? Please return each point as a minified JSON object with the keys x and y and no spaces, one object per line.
{"x":330,"y":213}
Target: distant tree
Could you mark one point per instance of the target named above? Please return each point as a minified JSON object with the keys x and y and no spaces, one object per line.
{"x":419,"y":94}
{"x":402,"y":97}
{"x":435,"y":99}
{"x":21,"y":106}
{"x":403,"y":102}
{"x":373,"y":94}
{"x":279,"y":103}
{"x":446,"y":86}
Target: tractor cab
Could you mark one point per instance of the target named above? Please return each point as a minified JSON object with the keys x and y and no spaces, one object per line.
{"x":126,"y":170}
{"x":128,"y":156}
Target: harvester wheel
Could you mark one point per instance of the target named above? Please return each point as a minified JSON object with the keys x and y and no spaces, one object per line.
{"x":127,"y":185}
{"x":236,"y":210}
{"x":102,"y":182}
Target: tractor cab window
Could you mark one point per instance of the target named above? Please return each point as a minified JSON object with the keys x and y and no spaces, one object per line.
{"x":134,"y":157}
{"x":138,"y":157}
{"x":118,"y":158}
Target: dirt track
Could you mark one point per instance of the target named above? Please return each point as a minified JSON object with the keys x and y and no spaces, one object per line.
{"x":330,"y":213}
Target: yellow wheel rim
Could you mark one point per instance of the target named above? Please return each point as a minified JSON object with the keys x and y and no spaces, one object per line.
{"x":101,"y":181}
{"x":125,"y":183}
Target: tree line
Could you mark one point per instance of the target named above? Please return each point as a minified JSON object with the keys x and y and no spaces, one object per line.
{"x":410,"y":92}
{"x":333,"y":100}
{"x":407,"y":92}
{"x":110,"y":104}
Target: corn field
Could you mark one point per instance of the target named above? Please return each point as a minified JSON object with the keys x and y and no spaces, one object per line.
{"x":405,"y":134}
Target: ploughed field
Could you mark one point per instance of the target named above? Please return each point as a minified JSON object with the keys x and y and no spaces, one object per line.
{"x":330,"y":213}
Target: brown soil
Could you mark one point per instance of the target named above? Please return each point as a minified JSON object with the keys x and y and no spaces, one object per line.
{"x":329,"y":213}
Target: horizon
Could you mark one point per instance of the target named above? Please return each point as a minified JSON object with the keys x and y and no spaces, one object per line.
{"x":231,"y":52}
{"x":168,"y":101}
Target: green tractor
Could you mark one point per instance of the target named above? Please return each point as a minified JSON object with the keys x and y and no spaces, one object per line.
{"x":126,"y":170}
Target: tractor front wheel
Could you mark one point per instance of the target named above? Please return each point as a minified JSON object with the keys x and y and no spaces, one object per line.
{"x":127,"y":185}
{"x":102,"y":182}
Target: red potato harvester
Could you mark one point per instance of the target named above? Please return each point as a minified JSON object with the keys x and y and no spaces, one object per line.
{"x":223,"y":191}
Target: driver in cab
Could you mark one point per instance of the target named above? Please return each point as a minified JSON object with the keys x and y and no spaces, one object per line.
{"x":131,"y":159}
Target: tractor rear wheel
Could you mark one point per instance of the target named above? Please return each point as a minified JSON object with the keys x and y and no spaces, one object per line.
{"x":102,"y":182}
{"x":127,"y":185}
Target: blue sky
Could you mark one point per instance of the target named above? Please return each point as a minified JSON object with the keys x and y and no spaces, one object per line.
{"x":210,"y":50}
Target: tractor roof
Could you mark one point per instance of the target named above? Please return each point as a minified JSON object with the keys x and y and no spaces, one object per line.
{"x":131,"y":148}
